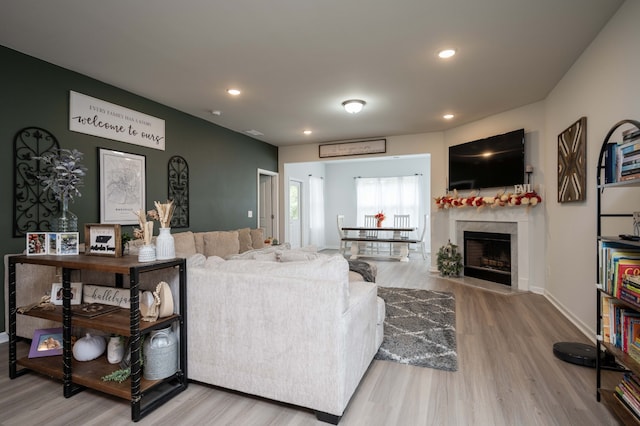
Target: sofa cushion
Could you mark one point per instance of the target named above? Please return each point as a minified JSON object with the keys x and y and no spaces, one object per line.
{"x":185,"y":244}
{"x":296,"y":255}
{"x":221,"y":243}
{"x":199,"y":240}
{"x":333,"y":268}
{"x":244,"y":239}
{"x":257,"y":238}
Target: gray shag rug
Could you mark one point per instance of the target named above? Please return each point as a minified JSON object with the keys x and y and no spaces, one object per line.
{"x":419,"y":328}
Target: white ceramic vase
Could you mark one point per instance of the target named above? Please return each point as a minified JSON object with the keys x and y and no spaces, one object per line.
{"x":115,"y":350}
{"x":147,"y":253}
{"x":165,"y":245}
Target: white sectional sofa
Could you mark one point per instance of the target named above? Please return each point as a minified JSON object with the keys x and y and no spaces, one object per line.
{"x":297,"y":332}
{"x":288,"y":325}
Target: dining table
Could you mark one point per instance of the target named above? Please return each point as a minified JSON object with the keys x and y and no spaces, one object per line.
{"x":397,"y":237}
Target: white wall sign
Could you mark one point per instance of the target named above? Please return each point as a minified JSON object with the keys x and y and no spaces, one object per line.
{"x":107,"y":295}
{"x":341,"y":149}
{"x":99,"y":118}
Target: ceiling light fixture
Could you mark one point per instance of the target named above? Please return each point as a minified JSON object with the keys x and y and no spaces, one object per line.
{"x":353,"y":106}
{"x":448,"y":116}
{"x":446,"y":53}
{"x":307,"y":132}
{"x":233,"y":92}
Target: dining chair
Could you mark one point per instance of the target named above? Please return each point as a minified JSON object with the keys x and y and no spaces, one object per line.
{"x":422,"y":244}
{"x":401,"y":221}
{"x":370,"y":221}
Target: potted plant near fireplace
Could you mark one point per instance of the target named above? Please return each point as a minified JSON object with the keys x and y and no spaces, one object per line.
{"x":449,"y":260}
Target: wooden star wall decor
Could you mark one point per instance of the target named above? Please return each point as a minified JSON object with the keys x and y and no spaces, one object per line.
{"x":572,"y":162}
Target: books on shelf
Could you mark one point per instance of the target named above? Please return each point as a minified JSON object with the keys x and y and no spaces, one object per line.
{"x":622,"y":159}
{"x":616,"y":262}
{"x":628,"y":392}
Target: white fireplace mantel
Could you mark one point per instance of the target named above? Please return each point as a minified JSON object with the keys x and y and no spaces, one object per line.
{"x":521,"y":249}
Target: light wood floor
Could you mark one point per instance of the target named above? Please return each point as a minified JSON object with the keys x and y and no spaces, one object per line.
{"x":507,"y":375}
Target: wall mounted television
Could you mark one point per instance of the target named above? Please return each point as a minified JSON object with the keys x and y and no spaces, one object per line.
{"x":496,"y":161}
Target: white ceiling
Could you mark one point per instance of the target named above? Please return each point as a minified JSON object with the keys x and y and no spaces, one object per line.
{"x":297,"y":60}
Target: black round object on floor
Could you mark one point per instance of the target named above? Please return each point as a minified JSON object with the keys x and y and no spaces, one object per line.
{"x":576,"y":353}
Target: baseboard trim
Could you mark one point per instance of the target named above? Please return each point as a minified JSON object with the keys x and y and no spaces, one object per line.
{"x":584,"y":328}
{"x":4,"y":337}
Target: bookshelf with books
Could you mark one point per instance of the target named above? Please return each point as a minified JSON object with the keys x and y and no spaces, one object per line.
{"x":618,"y":270}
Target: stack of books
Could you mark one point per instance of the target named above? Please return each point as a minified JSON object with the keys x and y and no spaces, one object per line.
{"x":616,"y":262}
{"x":628,"y":392}
{"x":622,"y":160}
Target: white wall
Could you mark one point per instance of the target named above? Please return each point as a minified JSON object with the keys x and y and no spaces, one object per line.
{"x":603,"y":86}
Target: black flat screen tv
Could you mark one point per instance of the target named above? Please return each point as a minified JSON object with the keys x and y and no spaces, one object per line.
{"x":496,"y":161}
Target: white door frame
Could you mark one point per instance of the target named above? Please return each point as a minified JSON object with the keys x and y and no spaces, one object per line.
{"x":274,"y":201}
{"x":301,"y":212}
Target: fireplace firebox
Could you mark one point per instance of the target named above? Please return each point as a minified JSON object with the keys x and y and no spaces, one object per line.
{"x":487,"y":255}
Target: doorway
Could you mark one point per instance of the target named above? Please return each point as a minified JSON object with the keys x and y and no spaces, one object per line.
{"x":268,"y":203}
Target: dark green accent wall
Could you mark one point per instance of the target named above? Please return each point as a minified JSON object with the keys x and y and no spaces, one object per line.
{"x":223,"y":164}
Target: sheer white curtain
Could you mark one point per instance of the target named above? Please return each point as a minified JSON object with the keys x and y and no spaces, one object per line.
{"x":391,"y":195}
{"x":316,"y":212}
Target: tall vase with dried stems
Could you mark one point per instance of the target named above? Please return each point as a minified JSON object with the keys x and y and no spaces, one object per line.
{"x":147,"y":252}
{"x":165,"y":243}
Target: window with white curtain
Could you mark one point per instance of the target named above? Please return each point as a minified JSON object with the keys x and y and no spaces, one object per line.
{"x":316,"y":211}
{"x":391,"y":195}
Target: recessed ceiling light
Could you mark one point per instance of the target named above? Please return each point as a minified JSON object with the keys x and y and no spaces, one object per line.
{"x":446,"y":53}
{"x":307,"y":132}
{"x":233,"y":92}
{"x":216,"y":112}
{"x":448,"y":116}
{"x":353,"y":106}
{"x":253,"y":132}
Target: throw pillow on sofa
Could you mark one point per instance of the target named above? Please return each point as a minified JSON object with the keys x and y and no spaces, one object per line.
{"x":221,"y":243}
{"x":244,"y":239}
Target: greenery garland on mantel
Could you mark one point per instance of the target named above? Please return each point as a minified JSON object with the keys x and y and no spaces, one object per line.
{"x":528,"y":199}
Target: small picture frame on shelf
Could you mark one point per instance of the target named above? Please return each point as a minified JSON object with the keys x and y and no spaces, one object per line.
{"x":102,"y":240}
{"x":63,"y":243}
{"x":56,"y":293}
{"x":46,"y":342}
{"x":37,"y":243}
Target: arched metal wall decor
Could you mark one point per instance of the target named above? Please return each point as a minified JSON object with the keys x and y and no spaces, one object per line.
{"x":179,"y":191}
{"x":32,"y":208}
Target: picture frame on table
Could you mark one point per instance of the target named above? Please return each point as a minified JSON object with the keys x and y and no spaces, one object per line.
{"x":37,"y":243}
{"x":46,"y":342}
{"x":122,"y":186}
{"x":103,"y":240}
{"x":63,"y":243}
{"x":76,"y":293}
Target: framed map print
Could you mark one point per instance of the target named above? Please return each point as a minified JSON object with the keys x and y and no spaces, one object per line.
{"x":572,"y":162}
{"x":122,"y":186}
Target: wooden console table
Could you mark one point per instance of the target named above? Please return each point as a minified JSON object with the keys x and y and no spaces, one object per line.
{"x":144,"y":395}
{"x":395,"y":239}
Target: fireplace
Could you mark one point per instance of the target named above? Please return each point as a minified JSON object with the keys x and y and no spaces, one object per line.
{"x":487,"y":255}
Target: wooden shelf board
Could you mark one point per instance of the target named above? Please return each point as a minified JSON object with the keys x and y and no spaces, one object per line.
{"x":117,"y":322}
{"x":618,"y":408}
{"x":86,"y":374}
{"x":622,"y":357}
